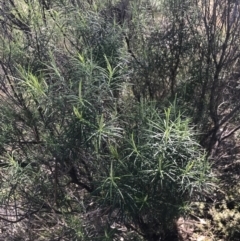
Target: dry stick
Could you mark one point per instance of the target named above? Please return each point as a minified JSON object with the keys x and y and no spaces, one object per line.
{"x":230,"y":115}
{"x":230,"y":133}
{"x":224,"y":120}
{"x":131,"y":52}
{"x":26,"y":215}
{"x":55,"y":182}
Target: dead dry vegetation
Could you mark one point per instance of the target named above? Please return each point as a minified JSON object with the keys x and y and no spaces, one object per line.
{"x":119,"y":120}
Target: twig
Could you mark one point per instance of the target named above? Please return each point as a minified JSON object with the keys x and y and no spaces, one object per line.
{"x":230,"y":133}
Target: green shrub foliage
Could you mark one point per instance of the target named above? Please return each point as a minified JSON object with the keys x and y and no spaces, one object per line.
{"x":155,"y":170}
{"x":100,"y":110}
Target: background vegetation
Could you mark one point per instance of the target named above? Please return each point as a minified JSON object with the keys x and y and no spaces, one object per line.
{"x":118,"y":119}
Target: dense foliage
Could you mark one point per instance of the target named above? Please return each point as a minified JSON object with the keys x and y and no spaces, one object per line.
{"x":104,"y":105}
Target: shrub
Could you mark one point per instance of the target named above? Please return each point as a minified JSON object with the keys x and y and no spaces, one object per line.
{"x":79,"y":148}
{"x":155,"y":171}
